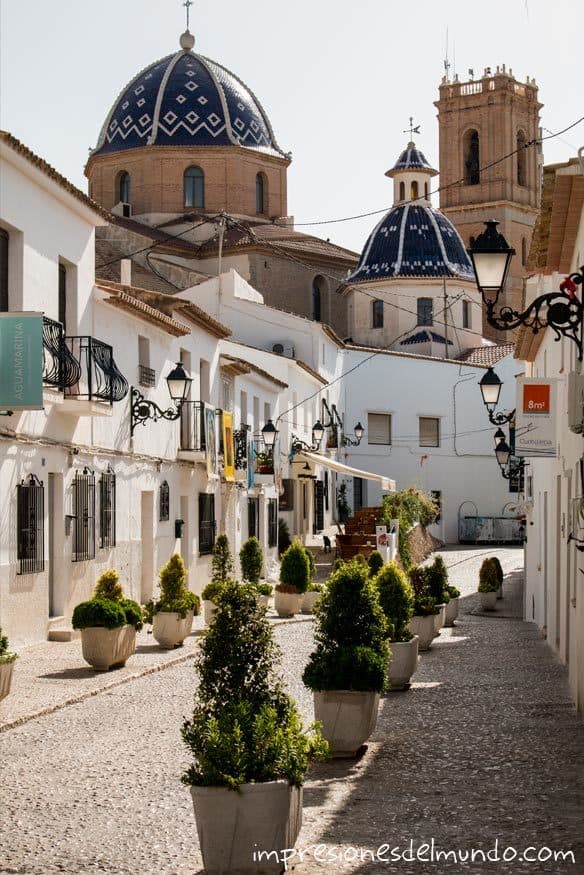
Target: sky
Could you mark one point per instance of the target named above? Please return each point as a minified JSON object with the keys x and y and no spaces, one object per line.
{"x":338,"y":79}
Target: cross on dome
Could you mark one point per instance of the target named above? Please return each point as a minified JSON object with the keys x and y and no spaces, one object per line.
{"x":412,"y":129}
{"x":187,"y":4}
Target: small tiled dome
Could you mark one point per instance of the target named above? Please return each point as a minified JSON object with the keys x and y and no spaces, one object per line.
{"x":412,"y":159}
{"x":413,"y":240}
{"x":186,"y":100}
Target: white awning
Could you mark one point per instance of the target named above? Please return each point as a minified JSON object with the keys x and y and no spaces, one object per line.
{"x":387,"y":484}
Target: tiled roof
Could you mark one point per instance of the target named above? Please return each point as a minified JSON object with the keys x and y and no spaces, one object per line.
{"x":487,"y":356}
{"x":412,"y":159}
{"x":129,"y":300}
{"x":424,"y":337}
{"x":108,"y":255}
{"x":41,"y":164}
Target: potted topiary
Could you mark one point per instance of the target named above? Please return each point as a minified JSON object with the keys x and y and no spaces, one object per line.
{"x":250,"y":753}
{"x":396,"y":598}
{"x":347,"y":670}
{"x":172,"y":615}
{"x":488,"y":585}
{"x":284,"y":539}
{"x":423,"y":623}
{"x":437,"y":585}
{"x":264,"y":591}
{"x":375,"y":563}
{"x":251,"y":557}
{"x":108,"y":624}
{"x":499,"y":569}
{"x":7,"y":661}
{"x":294,"y":580}
{"x":452,"y":605}
{"x":221,"y":571}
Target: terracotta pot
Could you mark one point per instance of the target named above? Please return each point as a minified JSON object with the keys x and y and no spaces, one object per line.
{"x":170,"y":629}
{"x":403,"y":662}
{"x":309,"y":599}
{"x":287,"y":603}
{"x":348,"y":718}
{"x":440,"y":618}
{"x":209,"y":610}
{"x":107,"y":648}
{"x":425,"y":629}
{"x":451,"y":612}
{"x":233,"y":825}
{"x":488,"y":600}
{"x":5,"y":678}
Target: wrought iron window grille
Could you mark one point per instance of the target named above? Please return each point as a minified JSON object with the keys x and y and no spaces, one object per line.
{"x":30,"y":513}
{"x":207,"y":523}
{"x":84,"y":516}
{"x":107,"y":509}
{"x":272,"y":522}
{"x":164,"y":502}
{"x":146,"y":376}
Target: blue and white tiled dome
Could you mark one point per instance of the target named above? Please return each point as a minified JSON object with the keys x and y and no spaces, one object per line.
{"x":413,"y":240}
{"x":186,"y":100}
{"x":412,"y":159}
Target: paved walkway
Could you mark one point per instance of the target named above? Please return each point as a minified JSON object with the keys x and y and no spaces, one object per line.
{"x":486,"y":746}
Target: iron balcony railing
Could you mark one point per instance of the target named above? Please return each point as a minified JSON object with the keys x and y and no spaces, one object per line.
{"x":192,"y":427}
{"x":240,"y":439}
{"x":264,"y":462}
{"x":60,"y":367}
{"x":99,"y":378}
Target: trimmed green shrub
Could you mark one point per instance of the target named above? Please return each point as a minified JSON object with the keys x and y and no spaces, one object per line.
{"x":251,"y":557}
{"x":284,"y":539}
{"x":375,"y":562}
{"x":213,"y":590}
{"x":313,"y":586}
{"x":244,"y":727}
{"x":498,"y":568}
{"x":5,"y":656}
{"x":424,"y":604}
{"x":338,"y":563}
{"x":107,"y":608}
{"x":453,"y":592}
{"x":175,"y":596}
{"x":488,"y":577}
{"x":437,"y":580}
{"x":295,"y":568}
{"x":265,"y":589}
{"x":222,"y":562}
{"x":311,"y":563}
{"x":396,"y":597}
{"x":351,"y":634}
{"x":108,"y":586}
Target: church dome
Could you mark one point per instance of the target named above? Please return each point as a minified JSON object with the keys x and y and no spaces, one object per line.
{"x":186,"y":99}
{"x":413,"y":240}
{"x":412,"y":159}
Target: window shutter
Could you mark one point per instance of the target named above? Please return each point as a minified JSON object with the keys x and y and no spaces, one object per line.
{"x":429,"y":431}
{"x":379,"y":428}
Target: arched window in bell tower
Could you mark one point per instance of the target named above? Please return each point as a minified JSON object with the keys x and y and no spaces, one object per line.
{"x":521,"y":159}
{"x":318,"y":290}
{"x":402,"y":191}
{"x":414,"y":190}
{"x":124,"y":187}
{"x":194,"y":187}
{"x":471,"y":157}
{"x":260,"y":193}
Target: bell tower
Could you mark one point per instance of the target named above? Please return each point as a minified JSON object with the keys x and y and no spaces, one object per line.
{"x":490,"y":166}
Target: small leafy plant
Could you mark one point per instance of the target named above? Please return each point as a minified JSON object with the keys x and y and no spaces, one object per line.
{"x":351,"y":635}
{"x":375,"y":562}
{"x":396,"y":598}
{"x":294,"y":570}
{"x":424,"y":603}
{"x":409,"y":506}
{"x":108,"y":608}
{"x":222,"y":562}
{"x":437,"y":580}
{"x":488,"y":576}
{"x":244,"y":727}
{"x":175,"y":596}
{"x":5,"y":656}
{"x":213,"y":590}
{"x":251,"y":557}
{"x":265,"y":589}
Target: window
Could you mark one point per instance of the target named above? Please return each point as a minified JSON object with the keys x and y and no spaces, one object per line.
{"x":429,"y":431}
{"x":124,"y":187}
{"x":227,"y":393}
{"x":267,"y":411}
{"x":260,"y":193}
{"x":107,"y":509}
{"x":377,"y":314}
{"x":466,"y":318}
{"x":318,"y":288}
{"x":164,"y":502}
{"x":521,"y":159}
{"x":471,"y":158}
{"x":253,"y":517}
{"x":3,"y":271}
{"x":402,"y":191}
{"x":425,"y":314}
{"x":194,"y":187}
{"x":272,"y":522}
{"x":207,"y":523}
{"x":436,"y":496}
{"x":30,"y":516}
{"x":146,"y":374}
{"x":63,"y":296}
{"x":414,"y":190}
{"x":358,"y":493}
{"x":84,"y":516}
{"x":287,"y":497}
{"x":379,"y":428}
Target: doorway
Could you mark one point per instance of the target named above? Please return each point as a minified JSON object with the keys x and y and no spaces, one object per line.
{"x":56,"y":540}
{"x":147,"y":546}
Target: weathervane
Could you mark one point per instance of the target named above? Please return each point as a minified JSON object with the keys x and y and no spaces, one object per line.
{"x":412,"y":130}
{"x":187,"y":4}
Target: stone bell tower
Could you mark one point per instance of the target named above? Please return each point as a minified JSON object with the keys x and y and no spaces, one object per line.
{"x":490,"y":168}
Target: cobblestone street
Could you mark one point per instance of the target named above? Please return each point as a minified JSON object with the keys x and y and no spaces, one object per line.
{"x":485,"y":746}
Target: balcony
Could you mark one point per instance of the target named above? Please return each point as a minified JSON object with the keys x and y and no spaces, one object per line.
{"x":241,"y":441}
{"x":193,"y":443}
{"x":264,"y":468}
{"x":83,"y":370}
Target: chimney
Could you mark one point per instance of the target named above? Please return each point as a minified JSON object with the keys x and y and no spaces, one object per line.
{"x":126,"y":271}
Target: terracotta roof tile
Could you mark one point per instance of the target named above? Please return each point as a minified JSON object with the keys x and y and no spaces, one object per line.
{"x":487,"y":355}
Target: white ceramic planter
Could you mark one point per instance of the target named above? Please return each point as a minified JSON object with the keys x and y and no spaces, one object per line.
{"x":170,"y":629}
{"x":451,"y":612}
{"x":5,"y":679}
{"x":425,"y":629}
{"x":209,"y":610}
{"x":107,"y":648}
{"x":488,"y":600}
{"x":232,"y":825}
{"x":287,"y":604}
{"x":348,"y":718}
{"x":309,"y":599}
{"x":440,"y":618}
{"x":500,"y":592}
{"x":402,"y":663}
{"x":265,"y":600}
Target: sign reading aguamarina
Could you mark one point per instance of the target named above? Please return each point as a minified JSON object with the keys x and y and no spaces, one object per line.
{"x":21,"y":361}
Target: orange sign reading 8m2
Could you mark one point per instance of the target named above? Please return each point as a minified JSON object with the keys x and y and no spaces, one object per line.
{"x":536,"y":398}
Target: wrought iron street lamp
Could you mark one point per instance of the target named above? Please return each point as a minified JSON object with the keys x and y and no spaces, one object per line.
{"x":359,"y":431}
{"x":299,"y":446}
{"x":499,"y":436}
{"x":512,"y":467}
{"x":561,"y":311}
{"x":490,"y":390}
{"x":143,"y":410}
{"x":269,"y":434}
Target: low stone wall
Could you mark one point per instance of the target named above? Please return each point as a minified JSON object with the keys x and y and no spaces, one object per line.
{"x":422,"y":543}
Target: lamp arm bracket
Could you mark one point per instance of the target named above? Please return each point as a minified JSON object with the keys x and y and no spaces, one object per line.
{"x":560,"y":311}
{"x":142,"y":410}
{"x":501,"y":418}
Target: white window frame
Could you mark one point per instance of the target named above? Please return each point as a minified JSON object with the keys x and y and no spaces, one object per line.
{"x":371,"y":432}
{"x":435,"y":419}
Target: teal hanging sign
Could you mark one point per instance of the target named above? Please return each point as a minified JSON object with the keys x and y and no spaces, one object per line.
{"x":21,"y":361}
